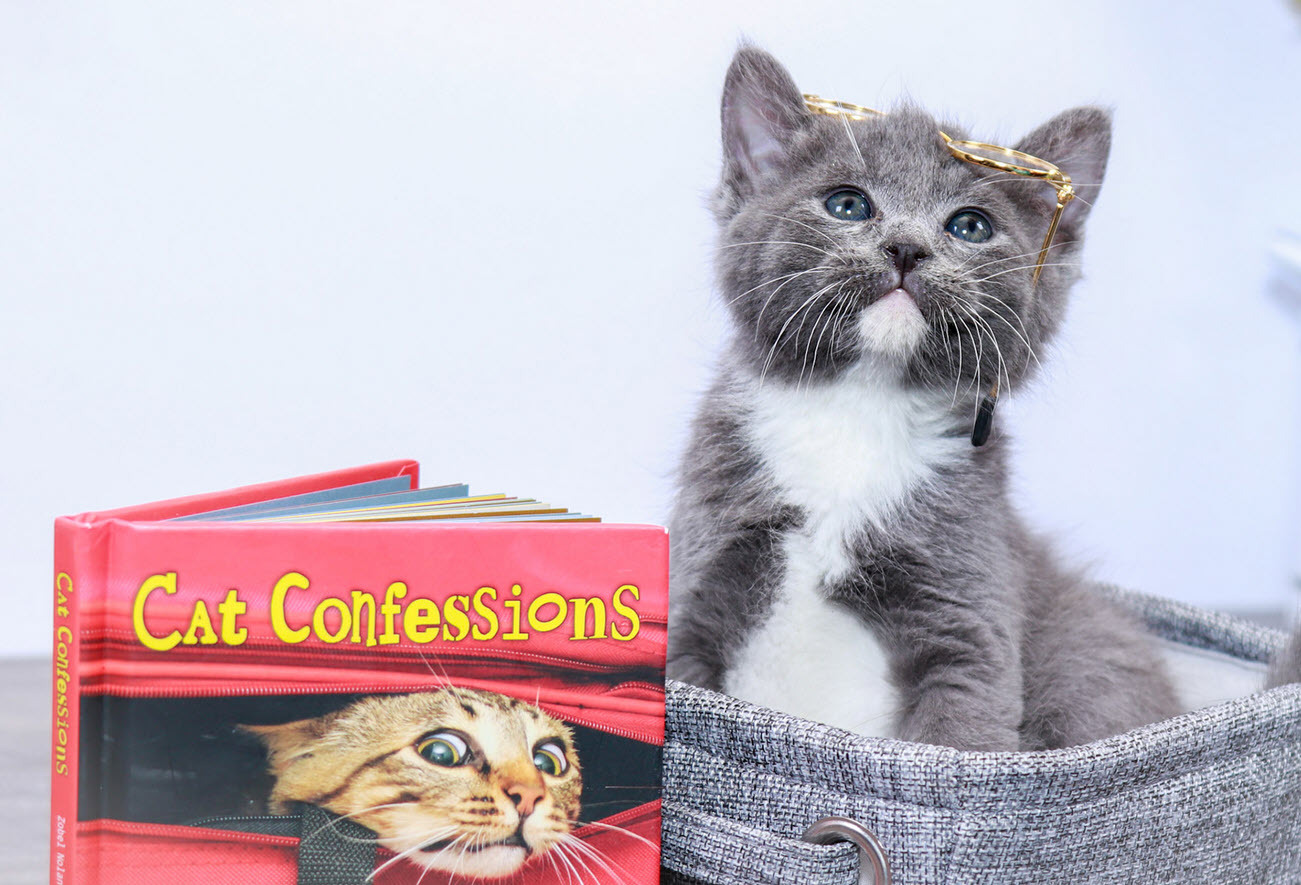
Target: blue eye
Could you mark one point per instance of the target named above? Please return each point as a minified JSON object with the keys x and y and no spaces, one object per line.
{"x":848,"y":204}
{"x":971,"y":226}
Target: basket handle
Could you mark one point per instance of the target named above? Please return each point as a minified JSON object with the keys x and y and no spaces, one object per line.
{"x":874,"y":866}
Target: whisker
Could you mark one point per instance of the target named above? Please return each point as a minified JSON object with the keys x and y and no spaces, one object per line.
{"x":556,"y":857}
{"x":772,"y":351}
{"x":461,"y":855}
{"x":551,"y":857}
{"x":800,"y":328}
{"x":570,"y":847}
{"x":844,"y":308}
{"x":975,"y":340}
{"x":993,"y":341}
{"x":846,"y":315}
{"x":832,"y":302}
{"x":957,"y":335}
{"x":854,"y":141}
{"x":405,"y":853}
{"x":624,"y":830}
{"x":758,"y":323}
{"x":784,"y":243}
{"x":1006,"y":177}
{"x":1021,"y":333}
{"x":784,"y":276}
{"x":820,"y":233}
{"x":944,"y":332}
{"x":1000,"y":370}
{"x":342,"y":817}
{"x":562,"y":851}
{"x":1034,"y":252}
{"x":567,"y":851}
{"x":999,"y":273}
{"x":977,"y":381}
{"x":1003,"y":177}
{"x":581,"y":847}
{"x":429,"y":665}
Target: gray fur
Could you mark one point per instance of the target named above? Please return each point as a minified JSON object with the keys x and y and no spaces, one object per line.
{"x":992,"y":643}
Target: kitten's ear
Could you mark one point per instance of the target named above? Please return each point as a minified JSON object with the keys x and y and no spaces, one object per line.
{"x":762,"y":112}
{"x":289,"y":741}
{"x":1077,"y":142}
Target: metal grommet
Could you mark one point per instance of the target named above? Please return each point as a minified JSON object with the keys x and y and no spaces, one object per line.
{"x":846,"y":829}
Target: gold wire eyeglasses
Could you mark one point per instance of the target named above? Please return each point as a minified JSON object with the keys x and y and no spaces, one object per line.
{"x":990,"y":156}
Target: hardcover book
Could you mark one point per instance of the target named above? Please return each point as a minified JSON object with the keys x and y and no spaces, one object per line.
{"x":344,"y":678}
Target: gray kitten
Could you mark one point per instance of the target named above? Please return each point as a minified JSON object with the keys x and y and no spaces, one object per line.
{"x":841,"y":551}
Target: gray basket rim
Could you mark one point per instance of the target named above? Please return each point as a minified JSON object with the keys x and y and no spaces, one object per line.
{"x":818,"y":755}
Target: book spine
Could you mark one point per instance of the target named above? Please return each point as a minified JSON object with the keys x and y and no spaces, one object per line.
{"x":74,"y":549}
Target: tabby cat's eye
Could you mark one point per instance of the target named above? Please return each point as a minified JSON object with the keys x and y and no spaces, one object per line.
{"x":549,"y":757}
{"x":445,"y":748}
{"x":848,"y":204}
{"x":971,"y":226}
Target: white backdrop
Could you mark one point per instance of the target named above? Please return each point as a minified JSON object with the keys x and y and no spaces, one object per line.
{"x":245,"y":241}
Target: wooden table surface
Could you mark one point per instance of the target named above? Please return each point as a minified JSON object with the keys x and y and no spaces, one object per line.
{"x":24,"y":770}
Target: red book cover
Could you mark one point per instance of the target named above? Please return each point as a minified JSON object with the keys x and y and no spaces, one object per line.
{"x":397,"y":701}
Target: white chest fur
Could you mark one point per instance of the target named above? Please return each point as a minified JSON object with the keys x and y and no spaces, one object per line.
{"x":847,"y":454}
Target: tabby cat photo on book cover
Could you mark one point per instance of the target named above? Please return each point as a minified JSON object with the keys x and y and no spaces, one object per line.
{"x":348,"y":677}
{"x":455,"y":780}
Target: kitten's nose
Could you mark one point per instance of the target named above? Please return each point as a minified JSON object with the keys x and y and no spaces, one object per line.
{"x":905,"y":256}
{"x":525,"y":796}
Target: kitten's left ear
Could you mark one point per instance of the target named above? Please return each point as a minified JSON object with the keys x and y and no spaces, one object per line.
{"x":1077,"y":142}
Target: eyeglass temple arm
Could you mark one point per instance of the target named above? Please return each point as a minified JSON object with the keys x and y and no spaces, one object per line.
{"x":1065,"y":193}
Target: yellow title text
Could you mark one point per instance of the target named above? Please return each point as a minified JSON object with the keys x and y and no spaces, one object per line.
{"x":367,"y":619}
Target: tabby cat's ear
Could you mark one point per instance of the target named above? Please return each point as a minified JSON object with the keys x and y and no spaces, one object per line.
{"x":762,"y":112}
{"x":1078,"y":142}
{"x":289,"y":741}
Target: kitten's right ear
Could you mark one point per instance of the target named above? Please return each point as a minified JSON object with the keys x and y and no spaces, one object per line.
{"x":289,"y":741}
{"x":763,"y":110}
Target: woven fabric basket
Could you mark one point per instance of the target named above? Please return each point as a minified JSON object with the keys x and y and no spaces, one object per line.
{"x":1212,"y":795}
